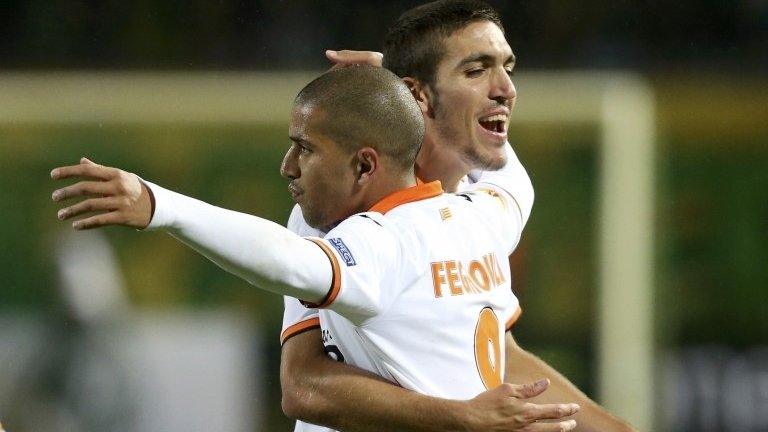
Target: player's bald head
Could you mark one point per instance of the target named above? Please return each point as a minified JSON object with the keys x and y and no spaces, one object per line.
{"x":365,"y":106}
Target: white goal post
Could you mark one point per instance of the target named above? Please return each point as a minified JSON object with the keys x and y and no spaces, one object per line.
{"x":623,"y":108}
{"x":620,"y":105}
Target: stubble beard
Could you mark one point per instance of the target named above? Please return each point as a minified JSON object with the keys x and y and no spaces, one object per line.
{"x":313,"y":216}
{"x":468,"y":151}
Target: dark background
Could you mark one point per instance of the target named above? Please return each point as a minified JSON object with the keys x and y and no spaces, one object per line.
{"x":709,"y":35}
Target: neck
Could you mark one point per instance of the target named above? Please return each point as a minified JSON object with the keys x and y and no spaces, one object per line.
{"x":386,"y":187}
{"x":436,"y":162}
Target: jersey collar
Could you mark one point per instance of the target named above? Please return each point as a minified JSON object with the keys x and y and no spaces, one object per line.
{"x":414,"y":193}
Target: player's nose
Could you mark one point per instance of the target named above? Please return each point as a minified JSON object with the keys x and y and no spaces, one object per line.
{"x":289,"y":168}
{"x":502,"y":88}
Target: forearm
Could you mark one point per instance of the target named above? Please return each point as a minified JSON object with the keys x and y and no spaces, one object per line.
{"x":349,"y":400}
{"x":321,"y":391}
{"x":522,"y":366}
{"x":255,"y":249}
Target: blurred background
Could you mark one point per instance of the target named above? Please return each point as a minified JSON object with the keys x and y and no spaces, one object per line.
{"x":119,"y":330}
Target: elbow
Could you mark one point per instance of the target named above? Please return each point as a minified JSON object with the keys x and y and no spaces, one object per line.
{"x":299,"y":402}
{"x":300,"y":399}
{"x":295,"y":394}
{"x":302,"y":374}
{"x":292,"y":405}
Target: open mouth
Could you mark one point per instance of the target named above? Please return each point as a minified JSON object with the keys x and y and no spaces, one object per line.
{"x":495,"y":123}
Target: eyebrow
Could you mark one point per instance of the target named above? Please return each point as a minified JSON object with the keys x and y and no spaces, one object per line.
{"x":485,"y":59}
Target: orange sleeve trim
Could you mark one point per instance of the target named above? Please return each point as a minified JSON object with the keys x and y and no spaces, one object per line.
{"x":335,"y":281}
{"x":299,"y":327}
{"x":514,"y":318}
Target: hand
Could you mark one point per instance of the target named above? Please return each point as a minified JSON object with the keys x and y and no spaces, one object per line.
{"x":502,"y":409}
{"x":117,"y":197}
{"x":347,"y":58}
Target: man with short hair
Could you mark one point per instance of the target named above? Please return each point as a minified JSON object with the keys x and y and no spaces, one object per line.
{"x":409,"y":294}
{"x":457,"y":63}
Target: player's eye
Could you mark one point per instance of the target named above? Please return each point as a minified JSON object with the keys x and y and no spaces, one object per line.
{"x":472,"y":73}
{"x":510,"y":71}
{"x":300,"y":148}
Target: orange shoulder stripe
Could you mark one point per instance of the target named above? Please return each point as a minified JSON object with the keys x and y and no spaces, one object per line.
{"x":299,"y":327}
{"x":514,"y":318}
{"x":335,"y":281}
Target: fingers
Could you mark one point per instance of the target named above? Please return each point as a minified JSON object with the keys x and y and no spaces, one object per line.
{"x":89,"y":205}
{"x":83,"y":188}
{"x":99,"y":220}
{"x":525,"y":391}
{"x":346,"y":58}
{"x":86,"y":170}
{"x":551,"y":411}
{"x":567,"y":425}
{"x":115,"y":196}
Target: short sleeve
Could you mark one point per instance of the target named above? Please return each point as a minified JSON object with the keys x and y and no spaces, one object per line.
{"x":297,"y":319}
{"x":364,"y":256}
{"x":513,"y":319}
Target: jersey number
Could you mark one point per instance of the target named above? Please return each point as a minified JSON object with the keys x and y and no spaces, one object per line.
{"x":334,"y":352}
{"x":487,"y":348}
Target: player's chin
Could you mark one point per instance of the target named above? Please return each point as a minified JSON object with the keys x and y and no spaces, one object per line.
{"x":491,"y":157}
{"x":496,"y":161}
{"x":315,"y":217}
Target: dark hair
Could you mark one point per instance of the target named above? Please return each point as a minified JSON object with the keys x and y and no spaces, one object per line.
{"x":413,"y":46}
{"x":366,"y":106}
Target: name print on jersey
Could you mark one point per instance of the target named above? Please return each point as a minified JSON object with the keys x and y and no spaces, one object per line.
{"x":471,"y":277}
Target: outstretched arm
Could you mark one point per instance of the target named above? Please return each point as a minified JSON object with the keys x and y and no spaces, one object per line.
{"x":522,"y":365}
{"x":255,"y":249}
{"x":319,"y":390}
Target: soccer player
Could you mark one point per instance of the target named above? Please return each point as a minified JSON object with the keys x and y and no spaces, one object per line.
{"x":455,"y":59}
{"x":417,"y":292}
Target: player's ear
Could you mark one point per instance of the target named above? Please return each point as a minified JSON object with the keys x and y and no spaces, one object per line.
{"x":367,"y":164}
{"x":421,"y":93}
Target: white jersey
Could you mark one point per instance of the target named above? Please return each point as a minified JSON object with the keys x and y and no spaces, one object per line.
{"x":436,"y":324}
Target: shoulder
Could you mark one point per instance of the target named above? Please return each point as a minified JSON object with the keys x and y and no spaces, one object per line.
{"x":371,"y":225}
{"x":365,"y":234}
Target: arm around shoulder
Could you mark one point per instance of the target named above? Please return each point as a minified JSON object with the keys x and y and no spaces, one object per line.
{"x":319,"y":390}
{"x":522,"y":366}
